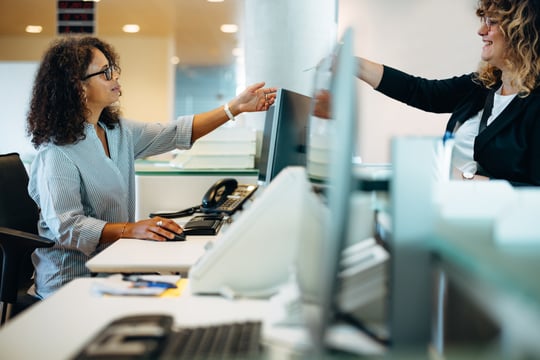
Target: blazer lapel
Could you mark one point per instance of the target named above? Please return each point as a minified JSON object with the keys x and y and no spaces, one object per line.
{"x":505,"y":118}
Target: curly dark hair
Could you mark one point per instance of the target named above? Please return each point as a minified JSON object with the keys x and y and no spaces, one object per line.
{"x":519,"y":22}
{"x":58,"y":109}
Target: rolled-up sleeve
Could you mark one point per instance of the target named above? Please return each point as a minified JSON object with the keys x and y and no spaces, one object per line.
{"x":156,"y":138}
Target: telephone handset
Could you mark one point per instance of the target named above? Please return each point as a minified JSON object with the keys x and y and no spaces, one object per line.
{"x":225,"y":196}
{"x":217,"y":194}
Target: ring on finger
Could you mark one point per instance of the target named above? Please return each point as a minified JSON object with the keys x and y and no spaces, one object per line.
{"x":159,"y":223}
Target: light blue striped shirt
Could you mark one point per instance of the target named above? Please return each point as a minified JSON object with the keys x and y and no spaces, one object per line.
{"x":79,"y":189}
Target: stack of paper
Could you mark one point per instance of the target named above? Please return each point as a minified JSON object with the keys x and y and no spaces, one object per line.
{"x":363,"y":275}
{"x":224,"y":148}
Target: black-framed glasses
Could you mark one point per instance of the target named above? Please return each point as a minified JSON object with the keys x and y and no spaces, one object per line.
{"x":108,"y":71}
{"x":488,"y":22}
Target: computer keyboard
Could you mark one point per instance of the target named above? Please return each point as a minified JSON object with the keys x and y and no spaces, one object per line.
{"x":230,"y":341}
{"x":153,"y":337}
{"x":208,"y":224}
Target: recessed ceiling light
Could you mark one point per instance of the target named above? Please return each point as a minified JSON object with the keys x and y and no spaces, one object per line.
{"x":229,"y":28}
{"x":238,"y":52}
{"x":131,"y":28}
{"x":216,"y":0}
{"x":175,"y":60}
{"x":34,"y":29}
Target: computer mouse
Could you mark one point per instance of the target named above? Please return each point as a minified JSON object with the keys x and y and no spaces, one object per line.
{"x":178,"y":237}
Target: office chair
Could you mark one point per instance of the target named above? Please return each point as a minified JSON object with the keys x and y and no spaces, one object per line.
{"x":18,"y":236}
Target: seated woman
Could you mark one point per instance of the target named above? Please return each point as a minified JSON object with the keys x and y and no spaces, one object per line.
{"x":83,"y":176}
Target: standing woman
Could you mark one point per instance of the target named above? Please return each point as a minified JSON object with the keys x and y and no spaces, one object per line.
{"x":83,"y":176}
{"x":496,"y":110}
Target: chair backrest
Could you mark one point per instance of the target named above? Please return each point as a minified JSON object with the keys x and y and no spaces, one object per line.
{"x":17,"y":210}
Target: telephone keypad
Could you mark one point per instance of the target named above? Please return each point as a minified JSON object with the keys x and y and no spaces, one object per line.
{"x":236,"y":199}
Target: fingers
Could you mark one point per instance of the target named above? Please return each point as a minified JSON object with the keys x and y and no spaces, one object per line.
{"x":256,"y":86}
{"x":163,"y":229}
{"x":256,"y":98}
{"x":268,"y":97}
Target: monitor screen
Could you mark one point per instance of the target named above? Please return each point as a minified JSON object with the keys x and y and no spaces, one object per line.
{"x":333,"y":125}
{"x":284,"y":135}
{"x":350,"y":270}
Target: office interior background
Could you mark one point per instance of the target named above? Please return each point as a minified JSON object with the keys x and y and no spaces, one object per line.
{"x":181,"y":63}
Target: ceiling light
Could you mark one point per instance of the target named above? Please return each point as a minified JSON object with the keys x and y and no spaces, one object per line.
{"x":216,"y":0}
{"x":237,"y":52}
{"x":229,"y":28}
{"x":175,"y":60}
{"x":131,"y":28}
{"x":34,"y":29}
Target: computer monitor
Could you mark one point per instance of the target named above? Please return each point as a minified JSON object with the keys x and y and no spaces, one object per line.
{"x":339,"y":126}
{"x":284,"y":135}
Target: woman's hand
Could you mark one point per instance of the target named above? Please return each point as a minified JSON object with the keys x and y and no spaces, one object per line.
{"x":254,"y":98}
{"x":157,"y":228}
{"x":323,"y":101}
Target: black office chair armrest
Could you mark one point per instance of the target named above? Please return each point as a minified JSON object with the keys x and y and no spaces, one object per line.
{"x":15,"y":244}
{"x":24,"y":239}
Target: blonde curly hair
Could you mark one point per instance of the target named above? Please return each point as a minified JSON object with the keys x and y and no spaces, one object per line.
{"x":519,"y":22}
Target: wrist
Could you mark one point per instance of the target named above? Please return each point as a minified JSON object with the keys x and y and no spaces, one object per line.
{"x":467,"y":175}
{"x":359,"y":70}
{"x":234,"y":108}
{"x":123,"y":232}
{"x":229,"y":112}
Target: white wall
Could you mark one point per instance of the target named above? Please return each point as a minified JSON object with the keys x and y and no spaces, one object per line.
{"x":429,"y":38}
{"x":147,"y":88}
{"x":284,"y":38}
{"x":432,"y":38}
{"x":15,"y":92}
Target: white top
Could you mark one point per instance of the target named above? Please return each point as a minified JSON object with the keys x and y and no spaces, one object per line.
{"x":462,"y":156}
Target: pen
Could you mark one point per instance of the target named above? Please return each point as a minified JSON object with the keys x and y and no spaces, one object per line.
{"x":139,"y":282}
{"x":447,"y":136}
{"x":309,"y":68}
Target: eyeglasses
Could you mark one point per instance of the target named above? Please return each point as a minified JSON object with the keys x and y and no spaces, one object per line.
{"x":488,"y":22}
{"x":108,"y":71}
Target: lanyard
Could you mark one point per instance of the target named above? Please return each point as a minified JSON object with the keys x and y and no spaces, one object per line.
{"x":488,"y":107}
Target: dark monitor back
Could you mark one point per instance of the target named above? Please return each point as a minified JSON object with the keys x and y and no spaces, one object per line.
{"x":284,"y":135}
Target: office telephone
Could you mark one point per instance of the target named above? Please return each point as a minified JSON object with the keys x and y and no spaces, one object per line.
{"x":226,"y":196}
{"x":222,"y":199}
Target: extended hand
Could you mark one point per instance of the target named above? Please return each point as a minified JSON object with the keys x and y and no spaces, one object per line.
{"x":322,"y":107}
{"x":254,"y":98}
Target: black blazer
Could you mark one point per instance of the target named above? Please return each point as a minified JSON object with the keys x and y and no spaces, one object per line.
{"x":509,"y":148}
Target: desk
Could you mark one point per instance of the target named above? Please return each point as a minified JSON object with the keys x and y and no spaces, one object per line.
{"x":79,"y":315}
{"x":58,"y":327}
{"x":503,"y":281}
{"x":133,"y":255}
{"x":450,"y":234}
